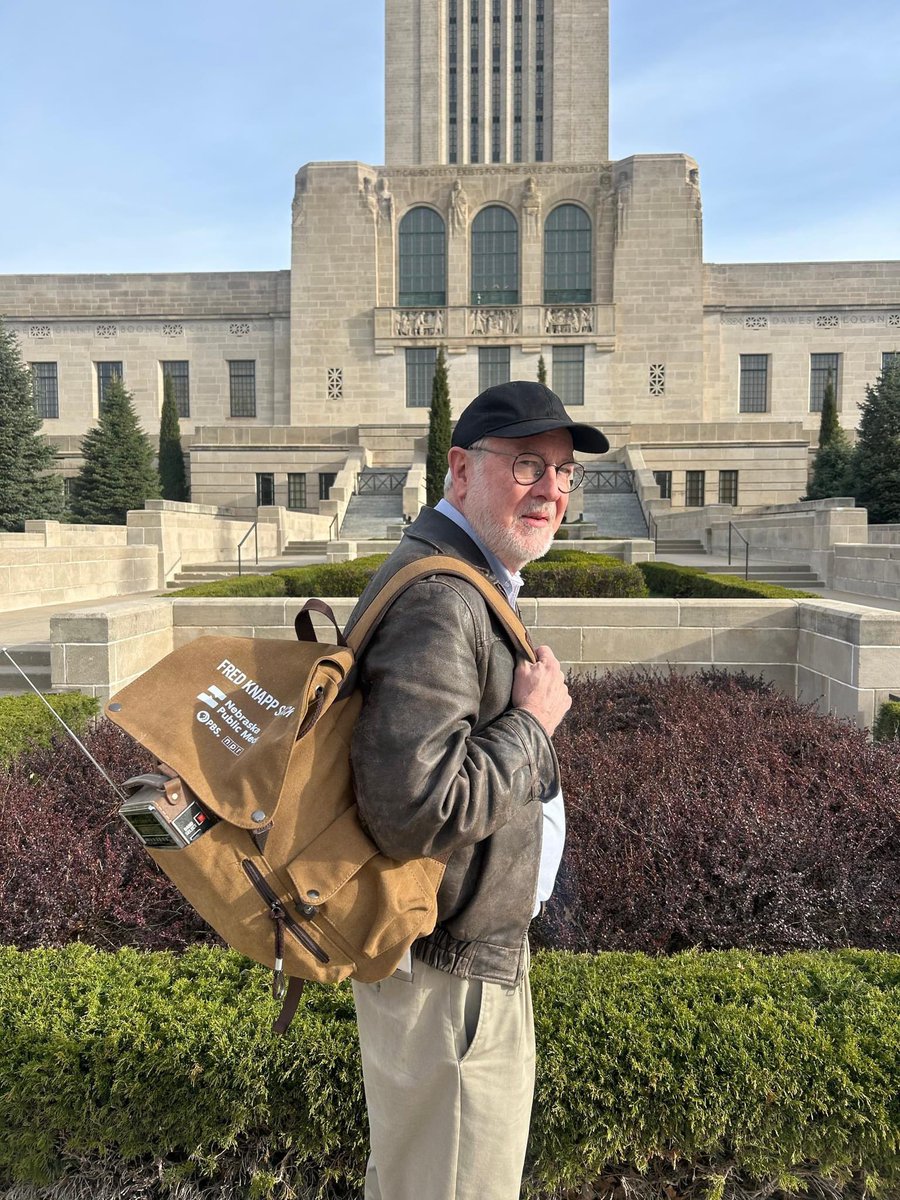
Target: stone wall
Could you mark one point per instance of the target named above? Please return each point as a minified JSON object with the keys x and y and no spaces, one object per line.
{"x":35,"y":575}
{"x":842,"y":657}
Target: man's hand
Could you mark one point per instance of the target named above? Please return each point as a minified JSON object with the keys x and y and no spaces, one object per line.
{"x":540,"y":688}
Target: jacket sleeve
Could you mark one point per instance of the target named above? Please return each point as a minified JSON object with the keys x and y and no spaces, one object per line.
{"x":429,"y":778}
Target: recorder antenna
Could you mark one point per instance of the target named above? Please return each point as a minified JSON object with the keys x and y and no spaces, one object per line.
{"x":78,"y":742}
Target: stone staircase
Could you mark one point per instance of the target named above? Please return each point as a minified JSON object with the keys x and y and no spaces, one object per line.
{"x":616,"y":514}
{"x":212,"y":572}
{"x":368,"y":517}
{"x":666,"y":546}
{"x":789,"y":575}
{"x":34,"y":659}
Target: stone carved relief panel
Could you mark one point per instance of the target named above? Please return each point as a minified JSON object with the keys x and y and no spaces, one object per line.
{"x":39,"y":331}
{"x":531,"y":207}
{"x":425,"y":322}
{"x":488,"y":321}
{"x":458,"y":215}
{"x":568,"y":320}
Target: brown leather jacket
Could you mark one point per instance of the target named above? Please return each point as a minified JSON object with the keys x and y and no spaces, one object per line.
{"x":443,"y":764}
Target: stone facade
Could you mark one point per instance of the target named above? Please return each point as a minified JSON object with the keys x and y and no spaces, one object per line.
{"x":667,"y":342}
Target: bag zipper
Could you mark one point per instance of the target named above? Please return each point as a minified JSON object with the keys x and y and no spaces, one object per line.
{"x":279,"y":915}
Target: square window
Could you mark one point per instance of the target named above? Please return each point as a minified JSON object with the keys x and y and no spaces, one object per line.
{"x":106,"y":373}
{"x":664,"y":481}
{"x":694,"y":489}
{"x":821,"y":367}
{"x":419,"y":376}
{"x":179,"y":373}
{"x":296,"y":491}
{"x":46,"y":390}
{"x":728,"y":487}
{"x":493,"y":366}
{"x":889,"y":357}
{"x":242,"y":382}
{"x":326,"y":479}
{"x":265,"y":488}
{"x":754,"y":383}
{"x":568,"y":373}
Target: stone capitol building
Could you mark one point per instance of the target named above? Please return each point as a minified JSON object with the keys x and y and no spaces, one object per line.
{"x":498,"y":228}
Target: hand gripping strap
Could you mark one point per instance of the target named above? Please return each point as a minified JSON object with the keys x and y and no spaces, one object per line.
{"x":439,"y":564}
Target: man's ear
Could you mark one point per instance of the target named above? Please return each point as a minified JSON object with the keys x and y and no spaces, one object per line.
{"x":460,"y":471}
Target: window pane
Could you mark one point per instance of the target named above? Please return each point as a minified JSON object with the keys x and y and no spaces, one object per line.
{"x":820,"y":367}
{"x":728,"y":487}
{"x":890,"y":356}
{"x":265,"y":488}
{"x":754,"y":382}
{"x":106,"y":373}
{"x":179,"y":373}
{"x":419,"y":376}
{"x":46,"y":390}
{"x":326,"y":479}
{"x":297,"y":491}
{"x":568,"y":373}
{"x":493,"y":366}
{"x":423,"y":259}
{"x":695,"y":489}
{"x":242,"y":380}
{"x":495,"y":257}
{"x":567,"y":256}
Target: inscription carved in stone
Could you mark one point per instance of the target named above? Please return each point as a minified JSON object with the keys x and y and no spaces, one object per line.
{"x":489,"y":321}
{"x":424,"y":322}
{"x":568,"y":320}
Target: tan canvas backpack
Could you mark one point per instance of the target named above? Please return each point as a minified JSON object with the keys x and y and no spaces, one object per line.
{"x":258,"y":826}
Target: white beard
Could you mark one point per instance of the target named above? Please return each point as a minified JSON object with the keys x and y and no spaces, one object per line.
{"x":514,"y":544}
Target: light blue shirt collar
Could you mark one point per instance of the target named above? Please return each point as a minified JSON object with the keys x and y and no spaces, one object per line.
{"x":511,"y":583}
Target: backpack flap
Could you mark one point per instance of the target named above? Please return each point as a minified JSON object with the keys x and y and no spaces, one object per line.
{"x":225,"y":713}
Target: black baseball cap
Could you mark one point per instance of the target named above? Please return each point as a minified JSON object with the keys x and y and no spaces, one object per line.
{"x":519,"y":409}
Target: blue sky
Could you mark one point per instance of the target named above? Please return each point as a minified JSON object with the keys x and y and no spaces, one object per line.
{"x":165,"y":136}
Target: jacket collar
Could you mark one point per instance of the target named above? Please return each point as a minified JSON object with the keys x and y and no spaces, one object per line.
{"x":446,"y":537}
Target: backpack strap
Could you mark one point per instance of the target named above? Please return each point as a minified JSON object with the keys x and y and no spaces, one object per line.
{"x":439,"y":564}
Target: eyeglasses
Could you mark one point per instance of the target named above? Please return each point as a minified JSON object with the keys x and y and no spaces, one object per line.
{"x":528,"y":468}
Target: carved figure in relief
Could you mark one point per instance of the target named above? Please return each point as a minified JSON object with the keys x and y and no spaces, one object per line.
{"x":459,"y":208}
{"x":531,"y":205}
{"x":479,"y":321}
{"x":404,"y":324}
{"x":697,"y":201}
{"x":385,"y":199}
{"x":438,"y":322}
{"x":367,"y":192}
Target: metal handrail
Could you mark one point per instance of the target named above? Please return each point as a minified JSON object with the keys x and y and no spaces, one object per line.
{"x":254,"y":529}
{"x":333,"y":529}
{"x":731,"y":525}
{"x":653,"y":530}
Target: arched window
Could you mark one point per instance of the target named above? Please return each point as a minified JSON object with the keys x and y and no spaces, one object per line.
{"x":495,"y":257}
{"x":567,"y":256}
{"x":423,"y":259}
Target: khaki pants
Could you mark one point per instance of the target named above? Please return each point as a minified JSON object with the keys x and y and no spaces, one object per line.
{"x":448,"y":1066}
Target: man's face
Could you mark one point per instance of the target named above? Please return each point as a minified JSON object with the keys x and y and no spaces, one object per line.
{"x":517,"y":522}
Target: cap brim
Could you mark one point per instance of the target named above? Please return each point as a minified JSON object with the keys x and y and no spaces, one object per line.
{"x":585,"y":438}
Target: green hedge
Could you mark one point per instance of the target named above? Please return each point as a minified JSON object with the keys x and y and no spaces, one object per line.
{"x":736,"y":1068}
{"x":670,"y":579}
{"x":332,"y":579}
{"x":24,"y":720}
{"x":235,"y":585}
{"x":581,"y":574}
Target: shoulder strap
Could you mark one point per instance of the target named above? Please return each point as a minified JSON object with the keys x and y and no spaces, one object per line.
{"x":438,"y":564}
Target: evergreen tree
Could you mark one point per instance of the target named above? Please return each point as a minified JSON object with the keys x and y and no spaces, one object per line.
{"x":876,"y":462}
{"x":118,"y":472}
{"x":438,"y":431}
{"x":28,"y":489}
{"x":542,"y":371}
{"x":832,"y":473}
{"x":173,"y":483}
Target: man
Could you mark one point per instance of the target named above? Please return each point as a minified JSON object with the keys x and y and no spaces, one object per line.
{"x":452,"y":758}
